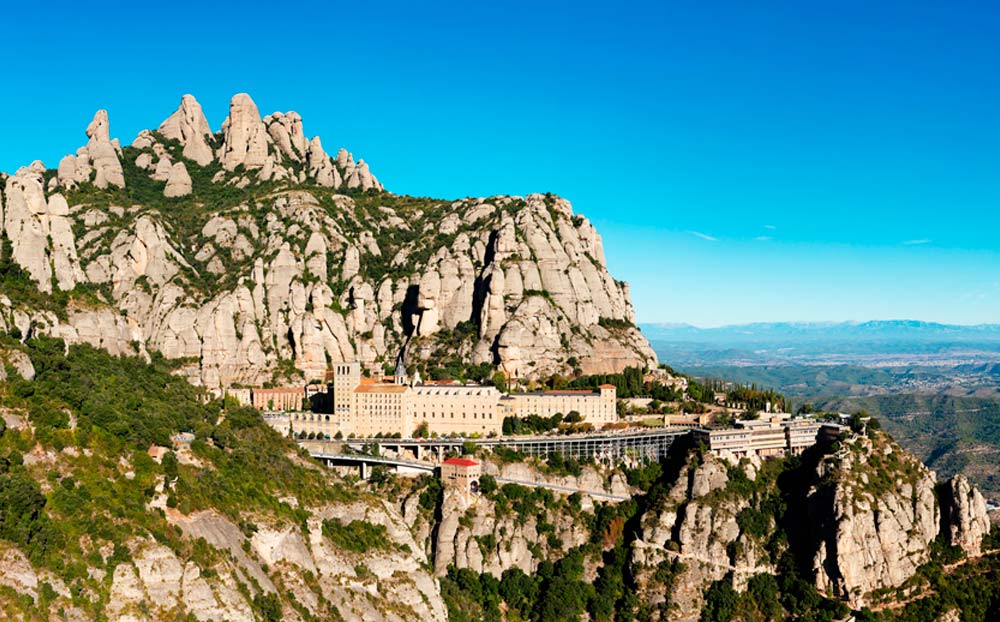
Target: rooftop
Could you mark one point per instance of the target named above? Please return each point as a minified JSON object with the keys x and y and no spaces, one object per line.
{"x":465,"y":462}
{"x":381,"y":388}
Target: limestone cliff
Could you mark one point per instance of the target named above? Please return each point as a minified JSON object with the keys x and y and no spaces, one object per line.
{"x":876,"y":509}
{"x":251,"y":250}
{"x":693,"y":535}
{"x":856,"y":518}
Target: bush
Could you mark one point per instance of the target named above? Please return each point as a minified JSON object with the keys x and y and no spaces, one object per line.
{"x":357,"y":536}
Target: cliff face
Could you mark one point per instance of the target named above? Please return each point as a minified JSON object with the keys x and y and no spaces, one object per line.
{"x":252,"y":247}
{"x":878,"y":513}
{"x":157,"y":583}
{"x":693,"y":534}
{"x":859,"y":519}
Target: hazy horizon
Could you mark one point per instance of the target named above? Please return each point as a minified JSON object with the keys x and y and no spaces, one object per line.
{"x":642,"y":322}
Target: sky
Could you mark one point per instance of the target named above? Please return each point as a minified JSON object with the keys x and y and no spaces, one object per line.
{"x":783,"y":161}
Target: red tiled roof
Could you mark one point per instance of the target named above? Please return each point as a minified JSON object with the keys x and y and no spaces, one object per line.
{"x":381,"y":388}
{"x":461,"y":462}
{"x":607,"y":386}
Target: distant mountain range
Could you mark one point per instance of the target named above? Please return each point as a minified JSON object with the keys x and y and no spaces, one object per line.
{"x":790,"y":333}
{"x":881,"y":343}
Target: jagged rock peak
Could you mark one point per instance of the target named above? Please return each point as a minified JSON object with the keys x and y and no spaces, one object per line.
{"x":100,"y":158}
{"x":98,"y":129}
{"x":189,"y":126}
{"x":286,"y":131}
{"x":245,"y":137}
{"x":964,"y":512}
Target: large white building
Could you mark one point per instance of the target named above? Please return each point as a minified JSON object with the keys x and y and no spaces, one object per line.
{"x":775,"y":436}
{"x":595,"y":407}
{"x":366,"y":407}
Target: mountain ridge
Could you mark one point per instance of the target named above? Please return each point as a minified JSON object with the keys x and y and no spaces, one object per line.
{"x":259,"y":257}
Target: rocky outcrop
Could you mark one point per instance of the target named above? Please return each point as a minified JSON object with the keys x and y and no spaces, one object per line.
{"x":692,"y":535}
{"x":309,"y":275}
{"x":490,"y":537}
{"x":390,"y":584}
{"x":244,"y":137}
{"x":178,"y":181}
{"x":97,"y":162}
{"x":964,"y":515}
{"x":19,"y":362}
{"x":189,"y":126}
{"x":877,"y":517}
{"x":40,"y":230}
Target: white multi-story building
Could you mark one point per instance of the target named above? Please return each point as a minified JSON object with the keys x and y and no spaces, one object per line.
{"x":774,"y":436}
{"x":365,"y":407}
{"x":595,"y":407}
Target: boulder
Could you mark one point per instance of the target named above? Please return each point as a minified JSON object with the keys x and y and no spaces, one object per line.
{"x":178,"y":181}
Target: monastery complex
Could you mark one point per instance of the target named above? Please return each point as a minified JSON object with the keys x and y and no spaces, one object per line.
{"x":353,"y":404}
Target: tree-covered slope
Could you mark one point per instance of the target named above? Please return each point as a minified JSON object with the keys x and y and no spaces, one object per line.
{"x":93,"y":527}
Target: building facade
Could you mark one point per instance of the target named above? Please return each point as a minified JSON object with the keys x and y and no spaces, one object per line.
{"x":775,"y":436}
{"x":450,"y":409}
{"x":281,"y":398}
{"x":595,"y":407}
{"x":463,"y":475}
{"x":363,"y":407}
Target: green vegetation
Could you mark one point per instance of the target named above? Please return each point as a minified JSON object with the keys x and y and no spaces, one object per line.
{"x":951,"y":434}
{"x":615,"y":324}
{"x":108,"y":410}
{"x":357,"y":536}
{"x":532,"y":424}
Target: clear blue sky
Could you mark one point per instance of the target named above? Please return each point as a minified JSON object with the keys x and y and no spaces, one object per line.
{"x":803,"y":161}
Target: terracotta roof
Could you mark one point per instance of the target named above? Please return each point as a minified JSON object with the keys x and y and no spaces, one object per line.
{"x":607,"y":386}
{"x":461,"y":462}
{"x":381,"y":388}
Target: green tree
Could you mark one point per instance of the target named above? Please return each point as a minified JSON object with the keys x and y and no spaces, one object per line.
{"x":500,"y":381}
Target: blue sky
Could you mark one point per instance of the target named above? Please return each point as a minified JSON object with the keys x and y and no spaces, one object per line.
{"x":784,"y":161}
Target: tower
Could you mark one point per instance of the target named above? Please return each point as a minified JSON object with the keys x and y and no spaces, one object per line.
{"x":399,"y":377}
{"x":346,"y":378}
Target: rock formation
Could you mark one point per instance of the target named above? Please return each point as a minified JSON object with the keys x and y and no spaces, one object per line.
{"x":97,"y":162}
{"x":178,"y":181}
{"x":692,"y":532}
{"x":326,"y":271}
{"x":244,"y":135}
{"x":964,"y":513}
{"x":189,"y":126}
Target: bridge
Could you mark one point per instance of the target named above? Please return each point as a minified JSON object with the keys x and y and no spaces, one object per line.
{"x":607,"y":447}
{"x":366,"y":461}
{"x":418,"y":455}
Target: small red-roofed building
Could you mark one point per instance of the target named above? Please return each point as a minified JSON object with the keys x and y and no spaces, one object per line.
{"x":462,"y":474}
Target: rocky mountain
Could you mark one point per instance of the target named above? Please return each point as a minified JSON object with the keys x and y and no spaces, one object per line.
{"x":251,"y":252}
{"x":99,"y":521}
